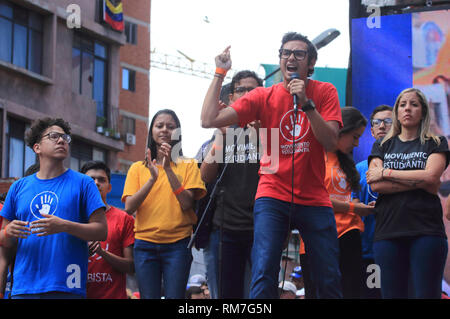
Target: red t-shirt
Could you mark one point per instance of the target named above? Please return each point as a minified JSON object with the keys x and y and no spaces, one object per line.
{"x":274,"y":108}
{"x":104,"y":282}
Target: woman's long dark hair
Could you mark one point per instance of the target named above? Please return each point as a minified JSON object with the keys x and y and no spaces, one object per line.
{"x":151,"y":143}
{"x":352,"y":119}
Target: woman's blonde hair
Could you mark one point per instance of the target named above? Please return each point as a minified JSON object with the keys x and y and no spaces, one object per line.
{"x":424,"y":129}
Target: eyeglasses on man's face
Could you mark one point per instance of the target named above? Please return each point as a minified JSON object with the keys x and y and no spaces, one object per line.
{"x":298,"y":54}
{"x":377,"y":122}
{"x":243,"y":89}
{"x":54,"y":137}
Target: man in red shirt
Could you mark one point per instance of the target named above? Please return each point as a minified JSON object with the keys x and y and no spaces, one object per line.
{"x":294,"y":145}
{"x":112,"y":259}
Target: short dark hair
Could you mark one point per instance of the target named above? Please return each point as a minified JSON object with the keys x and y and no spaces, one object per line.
{"x":380,"y":108}
{"x":243,"y":75}
{"x":34,"y":133}
{"x":96,"y":165}
{"x":32,"y":169}
{"x":312,"y":50}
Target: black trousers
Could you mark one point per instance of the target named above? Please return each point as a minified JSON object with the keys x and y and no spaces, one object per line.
{"x":350,"y":265}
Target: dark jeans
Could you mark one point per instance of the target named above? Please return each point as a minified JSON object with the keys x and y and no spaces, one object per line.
{"x":317,"y":227}
{"x":49,"y":295}
{"x":411,"y":262}
{"x":350,"y":264}
{"x":232,"y":275}
{"x":236,"y":253}
{"x":168,"y":262}
{"x":369,"y":292}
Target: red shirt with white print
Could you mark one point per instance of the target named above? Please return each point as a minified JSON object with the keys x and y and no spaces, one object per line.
{"x":273,"y":106}
{"x":104,"y":282}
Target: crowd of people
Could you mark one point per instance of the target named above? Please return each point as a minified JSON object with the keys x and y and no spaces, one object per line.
{"x":280,"y":159}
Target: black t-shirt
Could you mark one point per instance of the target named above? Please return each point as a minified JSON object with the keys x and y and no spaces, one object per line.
{"x":239,"y":184}
{"x":409,"y":213}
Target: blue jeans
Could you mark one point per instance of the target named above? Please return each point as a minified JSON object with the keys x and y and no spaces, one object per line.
{"x":49,"y":295}
{"x":411,"y":266}
{"x":317,"y":227}
{"x":211,"y":257}
{"x":229,"y":279}
{"x":168,"y":262}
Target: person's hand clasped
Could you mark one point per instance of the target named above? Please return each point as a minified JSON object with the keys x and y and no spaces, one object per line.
{"x":48,"y":225}
{"x":151,"y":165}
{"x":17,"y":229}
{"x":165,"y":150}
{"x":94,"y":248}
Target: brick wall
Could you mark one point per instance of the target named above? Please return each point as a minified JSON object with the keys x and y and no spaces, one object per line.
{"x":5,"y":183}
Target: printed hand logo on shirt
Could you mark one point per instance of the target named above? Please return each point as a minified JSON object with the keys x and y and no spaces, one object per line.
{"x":292,"y":127}
{"x":44,"y":203}
{"x":339,"y":181}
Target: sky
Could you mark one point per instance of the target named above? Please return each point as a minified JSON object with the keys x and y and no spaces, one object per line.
{"x":253,"y":28}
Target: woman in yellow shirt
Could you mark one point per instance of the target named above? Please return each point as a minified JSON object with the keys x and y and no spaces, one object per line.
{"x":162,"y":190}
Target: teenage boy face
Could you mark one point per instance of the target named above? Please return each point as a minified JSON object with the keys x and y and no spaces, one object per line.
{"x":50,"y":146}
{"x":101,"y":180}
{"x":291,"y":64}
{"x":242,"y":87}
{"x":380,"y":130}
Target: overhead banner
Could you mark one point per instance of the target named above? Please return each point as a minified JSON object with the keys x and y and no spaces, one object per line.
{"x":113,"y":14}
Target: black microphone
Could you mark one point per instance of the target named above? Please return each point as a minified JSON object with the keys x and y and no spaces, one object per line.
{"x":295,"y":76}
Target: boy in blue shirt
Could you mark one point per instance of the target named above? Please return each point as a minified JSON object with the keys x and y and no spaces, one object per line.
{"x":380,"y":121}
{"x":51,"y":215}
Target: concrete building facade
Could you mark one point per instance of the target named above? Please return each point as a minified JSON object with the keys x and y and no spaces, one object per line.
{"x":48,"y":67}
{"x":135,"y":76}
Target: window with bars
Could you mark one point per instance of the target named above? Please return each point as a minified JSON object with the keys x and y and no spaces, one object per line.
{"x":128,"y":79}
{"x":19,"y":156}
{"x":131,"y":32}
{"x":128,"y":125}
{"x":89,"y":70}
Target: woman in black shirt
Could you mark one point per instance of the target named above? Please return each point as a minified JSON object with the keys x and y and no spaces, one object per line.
{"x":405,"y":167}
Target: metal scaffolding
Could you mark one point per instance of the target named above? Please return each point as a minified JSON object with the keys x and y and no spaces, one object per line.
{"x":183,"y":65}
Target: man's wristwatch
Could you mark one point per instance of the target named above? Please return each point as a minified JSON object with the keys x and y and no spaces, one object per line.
{"x":309,"y":105}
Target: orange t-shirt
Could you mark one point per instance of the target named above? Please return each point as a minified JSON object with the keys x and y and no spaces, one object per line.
{"x":339,"y":189}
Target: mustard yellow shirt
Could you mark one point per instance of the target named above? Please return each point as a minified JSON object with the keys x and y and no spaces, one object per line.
{"x":160,"y":218}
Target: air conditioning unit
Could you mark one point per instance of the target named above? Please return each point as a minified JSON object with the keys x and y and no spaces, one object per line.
{"x":131,"y":139}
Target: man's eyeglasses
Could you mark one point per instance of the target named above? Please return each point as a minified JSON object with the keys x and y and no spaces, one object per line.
{"x":54,"y":137}
{"x":243,"y":89}
{"x":298,"y":54}
{"x":377,"y":122}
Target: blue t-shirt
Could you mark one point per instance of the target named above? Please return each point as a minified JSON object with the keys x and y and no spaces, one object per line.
{"x":366,"y":195}
{"x":55,"y":262}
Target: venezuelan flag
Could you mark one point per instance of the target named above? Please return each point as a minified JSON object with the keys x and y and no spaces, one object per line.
{"x":113,"y":14}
